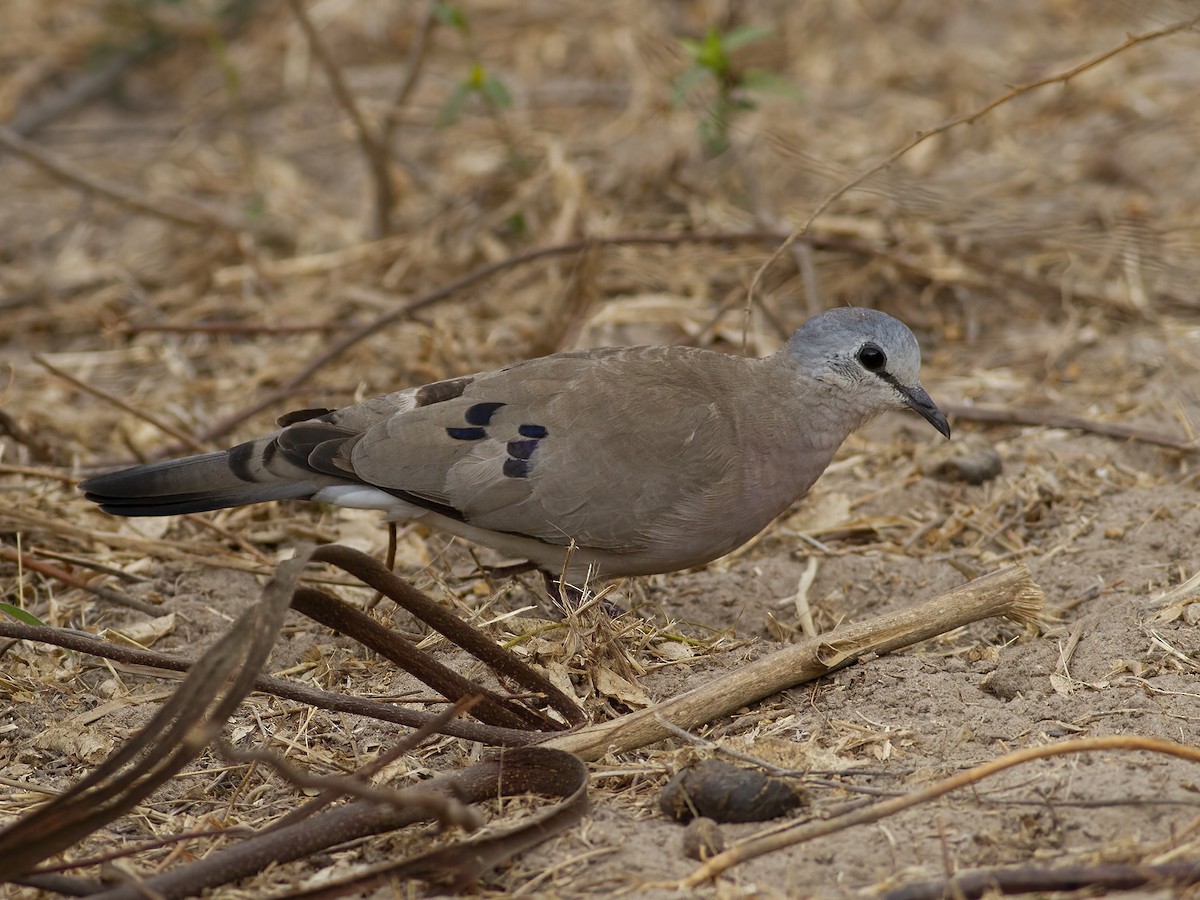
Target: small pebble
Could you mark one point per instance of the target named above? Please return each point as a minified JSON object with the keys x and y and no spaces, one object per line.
{"x":702,"y":839}
{"x":975,"y":467}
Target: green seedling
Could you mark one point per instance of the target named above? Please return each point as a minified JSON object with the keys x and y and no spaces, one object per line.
{"x":712,"y":62}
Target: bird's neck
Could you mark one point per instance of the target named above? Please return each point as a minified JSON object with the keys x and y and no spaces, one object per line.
{"x":796,"y":435}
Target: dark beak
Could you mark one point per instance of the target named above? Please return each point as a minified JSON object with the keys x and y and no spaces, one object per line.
{"x":921,"y":403}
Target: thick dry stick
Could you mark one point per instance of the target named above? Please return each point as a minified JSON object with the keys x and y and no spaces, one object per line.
{"x":1011,"y":592}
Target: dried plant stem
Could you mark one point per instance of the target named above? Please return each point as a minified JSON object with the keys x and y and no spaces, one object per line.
{"x":1053,"y":419}
{"x":795,"y":833}
{"x":965,"y":119}
{"x":177,"y":210}
{"x":412,"y":70}
{"x":65,"y":577}
{"x":382,"y":710}
{"x":1029,"y":879}
{"x":1010,"y":592}
{"x":374,"y":150}
{"x":160,"y":424}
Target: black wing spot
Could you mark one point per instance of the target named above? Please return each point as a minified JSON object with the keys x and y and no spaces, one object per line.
{"x":481,"y":413}
{"x":467,"y":434}
{"x":517,"y":468}
{"x":521,"y":449}
{"x":532,"y":431}
{"x":441,"y":391}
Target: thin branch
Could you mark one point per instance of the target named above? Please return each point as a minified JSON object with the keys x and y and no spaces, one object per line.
{"x":243,"y":328}
{"x":1051,"y":419}
{"x":267,"y":684}
{"x":160,"y":424}
{"x":412,"y":71}
{"x":38,"y":448}
{"x":95,"y":82}
{"x":793,"y":833}
{"x":1038,"y":879}
{"x":104,"y":593}
{"x":964,"y":119}
{"x":434,"y":804}
{"x":373,"y":148}
{"x":177,"y":210}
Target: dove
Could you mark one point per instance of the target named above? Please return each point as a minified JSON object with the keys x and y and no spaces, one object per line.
{"x":604,"y":463}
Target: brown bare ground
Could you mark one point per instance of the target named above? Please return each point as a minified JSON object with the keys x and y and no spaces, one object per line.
{"x":1044,"y":253}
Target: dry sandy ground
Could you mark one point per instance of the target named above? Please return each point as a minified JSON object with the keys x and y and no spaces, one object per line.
{"x":1044,"y":254}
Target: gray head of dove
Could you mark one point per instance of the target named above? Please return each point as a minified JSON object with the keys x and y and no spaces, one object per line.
{"x":871,"y":359}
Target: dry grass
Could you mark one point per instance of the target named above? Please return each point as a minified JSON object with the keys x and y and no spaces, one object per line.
{"x":212,"y":229}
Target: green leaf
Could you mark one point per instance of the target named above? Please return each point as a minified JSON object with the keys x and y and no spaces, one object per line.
{"x":712,"y":53}
{"x":770,"y":83}
{"x":495,"y":92}
{"x":15,"y":612}
{"x":746,"y":34}
{"x":449,"y":14}
{"x":517,"y":225}
{"x":454,"y":104}
{"x":714,"y":135}
{"x":688,"y":82}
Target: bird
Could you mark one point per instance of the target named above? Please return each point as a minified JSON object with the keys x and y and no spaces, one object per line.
{"x":598,"y":463}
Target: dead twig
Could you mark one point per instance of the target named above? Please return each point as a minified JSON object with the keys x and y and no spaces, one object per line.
{"x":94,"y":83}
{"x":448,"y":810}
{"x":508,"y":773}
{"x":39,"y":449}
{"x":793,"y":833}
{"x":145,"y":416}
{"x":965,"y":119}
{"x":1038,"y":880}
{"x":176,"y":210}
{"x":491,"y":708}
{"x":32,"y":472}
{"x":412,"y":71}
{"x":192,"y":718}
{"x":374,"y":573}
{"x":374,"y":149}
{"x":104,"y":593}
{"x":1052,"y":419}
{"x":69,"y":639}
{"x":1010,"y":592}
{"x":242,"y":328}
{"x":408,"y":743}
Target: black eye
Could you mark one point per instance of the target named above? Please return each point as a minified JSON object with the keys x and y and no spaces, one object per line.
{"x":872,"y":358}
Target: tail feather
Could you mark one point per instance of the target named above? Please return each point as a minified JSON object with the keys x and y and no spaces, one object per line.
{"x":199,"y":484}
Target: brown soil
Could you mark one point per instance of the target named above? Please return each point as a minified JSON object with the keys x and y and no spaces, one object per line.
{"x":1044,"y":254}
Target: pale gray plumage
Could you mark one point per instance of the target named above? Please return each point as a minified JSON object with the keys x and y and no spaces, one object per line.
{"x":648,"y":459}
